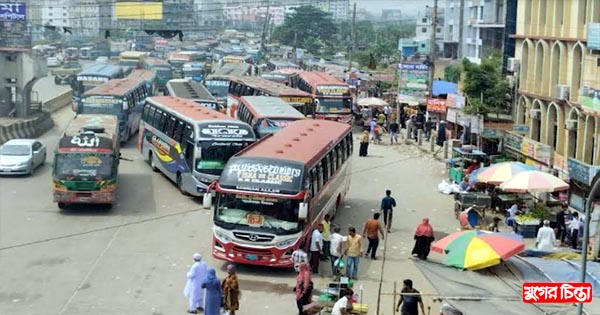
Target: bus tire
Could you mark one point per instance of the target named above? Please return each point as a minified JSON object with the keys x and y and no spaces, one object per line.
{"x":62,"y":205}
{"x":57,"y":81}
{"x":179,"y":181}
{"x":151,"y":161}
{"x":108,"y":206}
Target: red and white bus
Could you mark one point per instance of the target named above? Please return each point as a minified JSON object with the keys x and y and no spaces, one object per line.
{"x":273,"y":194}
{"x":331,"y":96}
{"x":287,"y":76}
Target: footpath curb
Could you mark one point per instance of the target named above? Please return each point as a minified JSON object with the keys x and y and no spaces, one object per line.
{"x":27,"y":128}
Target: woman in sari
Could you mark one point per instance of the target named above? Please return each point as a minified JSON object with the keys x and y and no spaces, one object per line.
{"x":423,"y":239}
{"x":231,"y":291}
{"x":212,"y":300}
{"x":303,"y":288}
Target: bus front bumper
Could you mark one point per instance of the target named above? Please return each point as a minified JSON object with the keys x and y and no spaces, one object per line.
{"x":267,"y":256}
{"x":85,"y":196}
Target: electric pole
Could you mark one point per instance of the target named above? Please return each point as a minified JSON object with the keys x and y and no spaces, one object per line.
{"x":432,"y":47}
{"x":460,"y":28}
{"x":264,"y":30}
{"x":352,"y":43}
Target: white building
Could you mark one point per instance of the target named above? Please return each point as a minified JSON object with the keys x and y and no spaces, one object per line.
{"x":482,"y":24}
{"x":424,"y":27}
{"x":86,"y":17}
{"x":55,"y":12}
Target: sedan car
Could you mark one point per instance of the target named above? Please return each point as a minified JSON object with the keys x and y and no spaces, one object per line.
{"x":53,"y":62}
{"x":21,"y":156}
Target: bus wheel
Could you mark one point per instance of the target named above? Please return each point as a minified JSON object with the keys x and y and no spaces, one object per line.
{"x":56,"y":80}
{"x":62,"y":205}
{"x":151,"y":161}
{"x":180,"y":185}
{"x":108,"y":206}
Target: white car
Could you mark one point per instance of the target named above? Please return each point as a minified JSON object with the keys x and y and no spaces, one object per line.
{"x":102,"y":59}
{"x":21,"y":156}
{"x":53,"y":62}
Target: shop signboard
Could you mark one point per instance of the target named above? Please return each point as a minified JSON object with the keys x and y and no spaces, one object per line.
{"x":14,"y":34}
{"x":458,"y":117}
{"x":590,"y":99}
{"x":492,"y":133}
{"x":559,"y":163}
{"x":455,"y":101}
{"x":538,"y":151}
{"x":139,"y":9}
{"x":581,"y":172}
{"x":413,"y":81}
{"x":593,"y":36}
{"x":520,"y":129}
{"x":513,"y":141}
{"x":437,"y":105}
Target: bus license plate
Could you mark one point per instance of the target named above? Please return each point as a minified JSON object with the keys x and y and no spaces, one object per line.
{"x":251,"y":257}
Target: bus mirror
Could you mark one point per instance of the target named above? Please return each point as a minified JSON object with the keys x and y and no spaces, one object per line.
{"x":207,"y":200}
{"x":303,"y":211}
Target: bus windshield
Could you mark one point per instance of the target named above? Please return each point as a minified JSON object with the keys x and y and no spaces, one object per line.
{"x":218,"y":88}
{"x":84,"y":165}
{"x":333,"y":105}
{"x":269,"y":213}
{"x":92,"y":105}
{"x":214,"y":155}
{"x":129,"y":63}
{"x":163,"y":72}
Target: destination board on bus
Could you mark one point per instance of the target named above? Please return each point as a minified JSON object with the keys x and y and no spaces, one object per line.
{"x":262,"y":175}
{"x":216,"y":83}
{"x":333,"y":90}
{"x":291,"y":99}
{"x":101,"y":101}
{"x":91,"y":80}
{"x":224,"y":130}
{"x":211,"y":105}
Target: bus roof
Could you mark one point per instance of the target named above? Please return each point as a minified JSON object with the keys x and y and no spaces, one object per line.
{"x":320,"y":78}
{"x":287,"y":71}
{"x":115,"y":87}
{"x":231,"y":69}
{"x":156,"y":62}
{"x":102,"y":69}
{"x":270,"y":87}
{"x":272,"y":107}
{"x":301,"y":141}
{"x":141,"y":74}
{"x":82,"y":121}
{"x":133,"y":54}
{"x":84,"y":128}
{"x":284,"y":64}
{"x":189,"y":89}
{"x":189,"y":108}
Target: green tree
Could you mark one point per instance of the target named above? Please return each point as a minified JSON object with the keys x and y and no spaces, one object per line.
{"x":485,"y":86}
{"x":452,"y":73}
{"x":307,"y":27}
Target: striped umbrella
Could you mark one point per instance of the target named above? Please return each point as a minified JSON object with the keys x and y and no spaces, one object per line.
{"x":498,"y":173}
{"x":534,"y":182}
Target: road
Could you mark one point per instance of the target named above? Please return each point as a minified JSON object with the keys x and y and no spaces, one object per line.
{"x":133,"y":259}
{"x":46,"y":89}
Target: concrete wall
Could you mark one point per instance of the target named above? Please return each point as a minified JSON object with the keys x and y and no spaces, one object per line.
{"x":29,"y":128}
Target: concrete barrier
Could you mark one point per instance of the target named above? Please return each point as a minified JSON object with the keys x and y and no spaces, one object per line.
{"x":62,"y":100}
{"x":26,"y":128}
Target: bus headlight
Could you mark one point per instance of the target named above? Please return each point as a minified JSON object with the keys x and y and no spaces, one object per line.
{"x":222,"y":237}
{"x":286,"y":243}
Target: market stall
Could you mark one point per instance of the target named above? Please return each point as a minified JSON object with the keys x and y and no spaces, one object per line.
{"x":462,"y":158}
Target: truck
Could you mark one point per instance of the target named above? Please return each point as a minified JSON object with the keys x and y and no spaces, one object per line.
{"x":66,"y":73}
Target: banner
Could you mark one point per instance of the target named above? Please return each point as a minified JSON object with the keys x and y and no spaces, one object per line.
{"x":455,"y":101}
{"x":14,"y":34}
{"x":590,"y":99}
{"x":139,"y":9}
{"x":536,"y":150}
{"x":413,"y":81}
{"x":581,"y":172}
{"x":437,"y":105}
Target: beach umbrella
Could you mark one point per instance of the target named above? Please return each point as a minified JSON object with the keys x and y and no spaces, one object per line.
{"x":478,"y":249}
{"x":534,"y":182}
{"x":498,"y":173}
{"x":371,"y":101}
{"x":473,"y":176}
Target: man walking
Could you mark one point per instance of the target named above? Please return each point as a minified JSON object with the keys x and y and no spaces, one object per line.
{"x":353,"y":253}
{"x":326,"y":236}
{"x":394,"y":128}
{"x":410,"y":301}
{"x":193,"y":286}
{"x":561,"y":224}
{"x":387,"y":207}
{"x":316,"y":247}
{"x":371,"y":231}
{"x":299,"y":256}
{"x":336,"y":249}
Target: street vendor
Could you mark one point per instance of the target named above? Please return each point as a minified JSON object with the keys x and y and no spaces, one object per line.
{"x":343,"y":306}
{"x":475,"y":165}
{"x":512,"y":214}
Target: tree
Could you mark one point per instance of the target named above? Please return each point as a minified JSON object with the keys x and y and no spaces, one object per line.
{"x":307,"y":27}
{"x":452,"y":73}
{"x":485,"y":86}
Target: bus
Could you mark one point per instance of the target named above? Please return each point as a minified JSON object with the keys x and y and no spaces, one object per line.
{"x":281,"y":64}
{"x":132,"y":59}
{"x":178,"y":59}
{"x":331,"y":97}
{"x":149,"y":77}
{"x":248,"y":86}
{"x":188,"y":143}
{"x":266,"y":114}
{"x":218,"y":82}
{"x":123,"y":98}
{"x":85,"y":53}
{"x":72,"y":54}
{"x":92,"y":77}
{"x":162,"y":69}
{"x":194,"y":71}
{"x":272,"y":195}
{"x":86,"y":162}
{"x":287,"y":76}
{"x":238,"y":59}
{"x":194,"y":91}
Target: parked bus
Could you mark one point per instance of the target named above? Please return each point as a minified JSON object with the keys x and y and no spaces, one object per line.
{"x":162,"y":69}
{"x":92,"y":77}
{"x":194,"y":91}
{"x":266,"y":114}
{"x":72,"y":54}
{"x":331,"y":96}
{"x":281,"y":64}
{"x":248,"y":86}
{"x":272,"y":195}
{"x":188,"y":143}
{"x":149,"y":77}
{"x":195,"y":71}
{"x":123,"y":98}
{"x":218,"y":82}
{"x":85,"y":53}
{"x":287,"y":76}
{"x":132,"y":59}
{"x":238,"y":59}
{"x":178,"y":59}
{"x":86,"y":162}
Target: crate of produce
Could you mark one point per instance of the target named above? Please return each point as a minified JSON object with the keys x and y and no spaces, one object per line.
{"x":527,"y":230}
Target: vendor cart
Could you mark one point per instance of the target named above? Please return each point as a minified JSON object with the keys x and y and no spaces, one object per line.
{"x":465,"y":200}
{"x":461,"y":159}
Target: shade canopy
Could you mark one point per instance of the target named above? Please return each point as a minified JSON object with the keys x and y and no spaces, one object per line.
{"x":499,"y":173}
{"x":371,"y":101}
{"x":534,"y":182}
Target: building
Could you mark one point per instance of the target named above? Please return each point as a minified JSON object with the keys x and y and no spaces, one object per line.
{"x":86,"y":17}
{"x":209,"y":13}
{"x":179,"y":15}
{"x":55,"y":13}
{"x":391,"y":14}
{"x":236,"y":11}
{"x":420,"y":43}
{"x":558,"y":49}
{"x":482,"y":24}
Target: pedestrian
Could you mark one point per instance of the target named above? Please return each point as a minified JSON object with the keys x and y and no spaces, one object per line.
{"x":326,"y":236}
{"x":343,"y":306}
{"x":386,"y":113}
{"x":303,"y":288}
{"x":212,"y":286}
{"x":574,"y":226}
{"x":495,"y":225}
{"x":353,"y":253}
{"x":441,"y":136}
{"x":299,"y":256}
{"x":387,"y":208}
{"x":394,"y":127}
{"x":231,"y":291}
{"x":316,"y":248}
{"x":423,"y":238}
{"x":409,"y":127}
{"x":336,"y":249}
{"x":545,"y":237}
{"x":561,"y":223}
{"x":193,"y":285}
{"x":372,"y":125}
{"x":410,"y":301}
{"x":371,"y":232}
{"x":364,"y":144}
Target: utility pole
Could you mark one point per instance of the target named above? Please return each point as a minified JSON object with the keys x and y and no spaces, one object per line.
{"x":432,"y":47}
{"x":352,"y":43}
{"x":264,"y":30}
{"x":461,"y":24}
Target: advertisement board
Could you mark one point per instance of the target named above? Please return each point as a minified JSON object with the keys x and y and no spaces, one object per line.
{"x":590,"y":99}
{"x":139,"y":9}
{"x":593,"y":36}
{"x":413,"y":81}
{"x":14,"y":34}
{"x":536,"y":150}
{"x":455,"y":101}
{"x":581,"y":172}
{"x":437,"y":105}
{"x":263,"y":175}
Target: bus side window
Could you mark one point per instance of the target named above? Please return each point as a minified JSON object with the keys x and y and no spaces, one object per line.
{"x":178,"y":132}
{"x":171,"y":126}
{"x":343,"y":151}
{"x":189,"y":154}
{"x":326,"y":162}
{"x":339,"y":156}
{"x":350,"y":144}
{"x":157,"y":116}
{"x":315,"y":182}
{"x":188,"y":134}
{"x":320,"y":175}
{"x":162,"y":122}
{"x":145,"y":112}
{"x":334,"y":160}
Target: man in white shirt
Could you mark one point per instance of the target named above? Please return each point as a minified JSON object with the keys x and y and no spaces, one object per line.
{"x":546,"y":237}
{"x":343,"y":305}
{"x":512,"y":213}
{"x":316,"y":247}
{"x":299,"y":256}
{"x":335,"y":250}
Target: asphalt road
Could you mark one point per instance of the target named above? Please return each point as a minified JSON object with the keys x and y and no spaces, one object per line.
{"x":46,"y":89}
{"x":133,"y":259}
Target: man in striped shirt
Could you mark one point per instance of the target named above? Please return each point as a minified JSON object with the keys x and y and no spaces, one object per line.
{"x":298,"y":256}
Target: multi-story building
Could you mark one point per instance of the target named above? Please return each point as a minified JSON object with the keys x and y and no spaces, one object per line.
{"x":482,"y":24}
{"x":558,"y":104}
{"x":209,"y":13}
{"x":55,"y":13}
{"x":86,"y":17}
{"x":420,"y":43}
{"x":179,"y":15}
{"x":255,"y":10}
{"x":391,"y":14}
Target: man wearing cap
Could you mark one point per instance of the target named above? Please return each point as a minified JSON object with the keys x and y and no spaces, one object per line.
{"x":193,"y":289}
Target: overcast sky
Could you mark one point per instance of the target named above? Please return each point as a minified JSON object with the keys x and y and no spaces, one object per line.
{"x":408,"y":7}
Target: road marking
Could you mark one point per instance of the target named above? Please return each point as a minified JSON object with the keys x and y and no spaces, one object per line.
{"x":89,"y":273}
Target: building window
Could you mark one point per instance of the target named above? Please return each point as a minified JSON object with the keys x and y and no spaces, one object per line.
{"x":422,"y":45}
{"x":439,"y":30}
{"x":424,"y":20}
{"x":423,"y":30}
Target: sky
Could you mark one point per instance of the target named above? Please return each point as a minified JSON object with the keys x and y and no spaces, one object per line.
{"x":408,"y":7}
